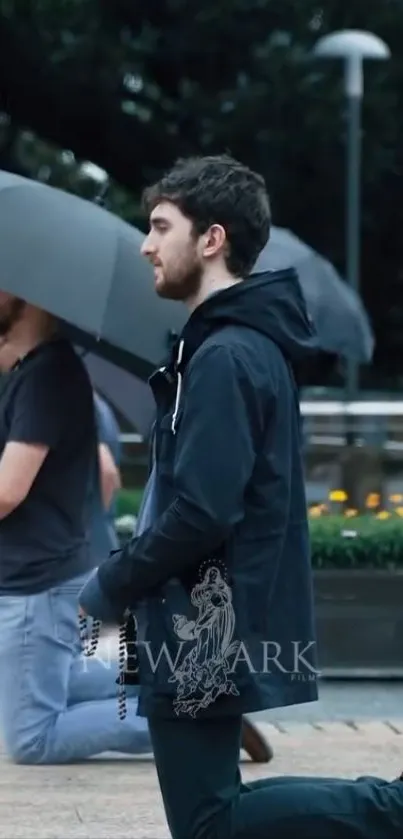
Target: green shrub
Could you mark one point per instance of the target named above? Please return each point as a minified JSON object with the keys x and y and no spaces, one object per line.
{"x":362,"y":542}
{"x":336,"y":541}
{"x":128,"y":502}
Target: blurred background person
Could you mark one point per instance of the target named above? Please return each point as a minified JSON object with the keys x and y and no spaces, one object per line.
{"x":53,"y":709}
{"x":107,"y":482}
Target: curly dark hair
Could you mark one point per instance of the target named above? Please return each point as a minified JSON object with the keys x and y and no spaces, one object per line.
{"x":219,"y":190}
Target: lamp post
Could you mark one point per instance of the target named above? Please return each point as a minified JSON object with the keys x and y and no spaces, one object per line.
{"x":99,"y":176}
{"x":353,"y":46}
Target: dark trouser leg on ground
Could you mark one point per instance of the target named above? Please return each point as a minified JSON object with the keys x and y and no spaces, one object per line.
{"x":197,"y":765}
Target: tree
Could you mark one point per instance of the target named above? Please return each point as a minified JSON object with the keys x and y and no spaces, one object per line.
{"x":131,"y":87}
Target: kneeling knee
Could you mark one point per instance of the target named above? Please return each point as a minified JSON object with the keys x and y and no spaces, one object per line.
{"x":26,"y":752}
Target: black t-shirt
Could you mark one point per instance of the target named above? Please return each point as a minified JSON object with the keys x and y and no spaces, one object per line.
{"x":47,"y":399}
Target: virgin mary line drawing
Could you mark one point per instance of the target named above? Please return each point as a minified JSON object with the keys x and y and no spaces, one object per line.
{"x":203,"y":674}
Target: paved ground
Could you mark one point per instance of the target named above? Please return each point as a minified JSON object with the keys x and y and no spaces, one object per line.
{"x":119,"y":798}
{"x":344,"y":700}
{"x":355,"y":728}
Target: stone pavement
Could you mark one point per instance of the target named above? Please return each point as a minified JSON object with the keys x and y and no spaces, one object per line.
{"x":119,"y":797}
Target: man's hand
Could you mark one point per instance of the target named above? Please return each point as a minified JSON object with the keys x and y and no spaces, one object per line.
{"x":94,"y":603}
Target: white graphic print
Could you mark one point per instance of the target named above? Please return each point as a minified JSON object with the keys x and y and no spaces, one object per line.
{"x":203,"y":674}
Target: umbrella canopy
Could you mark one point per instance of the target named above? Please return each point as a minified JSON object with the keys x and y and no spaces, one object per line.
{"x":83,"y":264}
{"x":131,"y":396}
{"x":337,"y":311}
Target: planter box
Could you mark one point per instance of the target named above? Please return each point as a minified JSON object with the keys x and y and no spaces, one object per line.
{"x":359,"y":623}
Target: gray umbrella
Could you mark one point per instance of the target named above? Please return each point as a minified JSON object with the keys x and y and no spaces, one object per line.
{"x":339,"y":316}
{"x":83,"y":264}
{"x":131,"y":396}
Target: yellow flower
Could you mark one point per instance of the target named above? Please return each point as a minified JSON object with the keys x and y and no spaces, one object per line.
{"x":373,"y":500}
{"x":396,"y":499}
{"x":315,"y":512}
{"x":351,"y":513}
{"x":399,"y":511}
{"x":383,"y":514}
{"x":338,"y":495}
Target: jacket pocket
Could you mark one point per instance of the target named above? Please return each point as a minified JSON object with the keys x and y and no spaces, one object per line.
{"x":163,"y":648}
{"x":256,"y":582}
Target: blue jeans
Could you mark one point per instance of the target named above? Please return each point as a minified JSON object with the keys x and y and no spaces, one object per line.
{"x":57,"y":706}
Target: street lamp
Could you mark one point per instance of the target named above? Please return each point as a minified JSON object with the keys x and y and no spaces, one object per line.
{"x":353,"y":46}
{"x":99,"y":176}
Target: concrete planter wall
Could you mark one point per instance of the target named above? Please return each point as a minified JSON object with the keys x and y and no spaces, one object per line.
{"x":360,"y":623}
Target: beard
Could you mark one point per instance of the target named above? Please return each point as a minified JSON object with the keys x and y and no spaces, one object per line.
{"x":181,"y":281}
{"x":10,"y":314}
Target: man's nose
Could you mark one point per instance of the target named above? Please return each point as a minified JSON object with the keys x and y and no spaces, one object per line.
{"x":147,"y":248}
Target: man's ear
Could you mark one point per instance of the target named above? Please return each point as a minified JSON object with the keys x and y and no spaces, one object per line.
{"x":215,"y":240}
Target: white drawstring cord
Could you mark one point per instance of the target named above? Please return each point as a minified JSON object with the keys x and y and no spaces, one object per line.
{"x":178,"y":388}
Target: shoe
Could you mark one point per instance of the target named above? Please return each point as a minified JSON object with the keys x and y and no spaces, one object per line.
{"x":253,"y":742}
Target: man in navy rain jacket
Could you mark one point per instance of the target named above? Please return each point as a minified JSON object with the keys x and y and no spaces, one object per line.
{"x":223,"y":574}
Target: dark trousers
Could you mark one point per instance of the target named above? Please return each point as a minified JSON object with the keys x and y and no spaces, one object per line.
{"x":197,"y":765}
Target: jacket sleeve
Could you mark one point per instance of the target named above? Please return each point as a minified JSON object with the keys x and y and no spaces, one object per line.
{"x":214,"y":460}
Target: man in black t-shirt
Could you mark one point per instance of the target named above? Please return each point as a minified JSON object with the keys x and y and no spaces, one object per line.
{"x":49,"y":702}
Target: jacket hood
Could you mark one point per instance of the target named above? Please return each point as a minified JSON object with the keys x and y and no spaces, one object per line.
{"x":271,"y":302}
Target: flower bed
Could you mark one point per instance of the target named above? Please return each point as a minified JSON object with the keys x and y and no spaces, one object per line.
{"x":366,"y":542}
{"x":358,"y":579}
